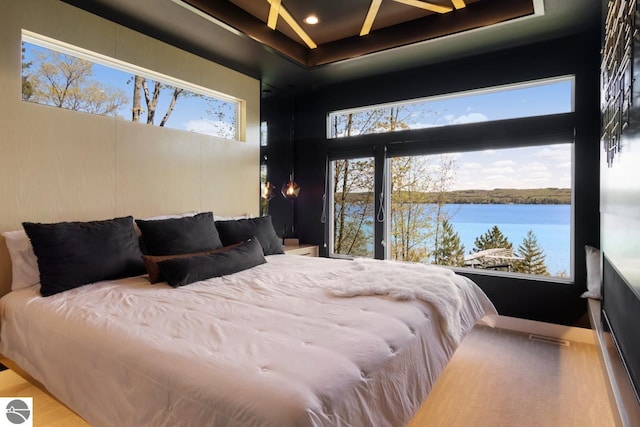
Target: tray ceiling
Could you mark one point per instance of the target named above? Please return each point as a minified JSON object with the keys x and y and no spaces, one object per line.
{"x":242,"y":40}
{"x":350,"y":29}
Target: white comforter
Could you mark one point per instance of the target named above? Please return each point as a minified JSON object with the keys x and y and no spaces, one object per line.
{"x":269,"y":346}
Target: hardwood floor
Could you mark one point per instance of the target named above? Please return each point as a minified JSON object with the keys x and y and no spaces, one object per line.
{"x":501,"y":378}
{"x":47,"y":411}
{"x":497,"y":378}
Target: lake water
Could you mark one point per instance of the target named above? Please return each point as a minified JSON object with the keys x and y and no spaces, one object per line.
{"x":550,"y":223}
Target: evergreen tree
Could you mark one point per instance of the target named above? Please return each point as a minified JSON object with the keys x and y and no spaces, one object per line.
{"x":450,"y":250}
{"x":493,"y":238}
{"x":533,"y":256}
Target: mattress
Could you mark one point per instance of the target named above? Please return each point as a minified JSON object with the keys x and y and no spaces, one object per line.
{"x":274,"y":345}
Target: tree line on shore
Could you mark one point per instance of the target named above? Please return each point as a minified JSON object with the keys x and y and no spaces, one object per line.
{"x":498,"y":196}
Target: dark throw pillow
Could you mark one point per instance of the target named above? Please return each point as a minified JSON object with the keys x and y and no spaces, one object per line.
{"x":239,"y":230}
{"x":176,"y":236}
{"x":72,"y":254}
{"x":151,"y":261}
{"x":182,"y":271}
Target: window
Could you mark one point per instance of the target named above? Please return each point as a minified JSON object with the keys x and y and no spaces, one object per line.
{"x":65,"y":76}
{"x":353,"y":207}
{"x":498,"y":103}
{"x":502,"y":210}
{"x":264,"y":134}
{"x":267,"y":190}
{"x":507,"y":209}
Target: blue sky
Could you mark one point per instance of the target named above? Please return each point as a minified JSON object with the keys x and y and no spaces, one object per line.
{"x":532,"y":167}
{"x":549,"y":98}
{"x":190,"y":113}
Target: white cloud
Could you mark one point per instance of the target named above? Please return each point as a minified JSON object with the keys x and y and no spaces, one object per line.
{"x":564,"y":181}
{"x":497,"y":178}
{"x":534,"y":166}
{"x":470,"y":165}
{"x":508,"y":170}
{"x":558,"y":153}
{"x":424,"y":125}
{"x":466,"y":118}
{"x":539,"y":176}
{"x":208,"y":127}
{"x":503,"y":163}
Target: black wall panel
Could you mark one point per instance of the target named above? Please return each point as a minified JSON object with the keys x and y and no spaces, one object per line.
{"x":573,"y":55}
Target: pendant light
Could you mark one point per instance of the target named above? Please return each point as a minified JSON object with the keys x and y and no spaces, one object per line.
{"x":290,"y":190}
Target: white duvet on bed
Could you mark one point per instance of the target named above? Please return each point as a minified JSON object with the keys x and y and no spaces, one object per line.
{"x":269,"y":346}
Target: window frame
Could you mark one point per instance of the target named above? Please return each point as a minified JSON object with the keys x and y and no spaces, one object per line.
{"x":454,"y":95}
{"x":508,"y":133}
{"x":107,"y":61}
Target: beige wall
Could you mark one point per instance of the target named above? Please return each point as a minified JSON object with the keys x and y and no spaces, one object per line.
{"x":58,"y":165}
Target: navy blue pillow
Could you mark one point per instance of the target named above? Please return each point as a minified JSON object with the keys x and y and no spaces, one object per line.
{"x":182,"y":271}
{"x":176,"y":236}
{"x":234,"y":231}
{"x":72,"y":254}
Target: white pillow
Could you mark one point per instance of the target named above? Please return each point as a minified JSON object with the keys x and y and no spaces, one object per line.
{"x":24,"y":264}
{"x":594,"y":276}
{"x":160,"y":217}
{"x":181,"y":215}
{"x":231,"y":218}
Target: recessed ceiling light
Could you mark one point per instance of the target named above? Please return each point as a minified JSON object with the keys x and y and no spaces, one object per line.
{"x":311,"y":20}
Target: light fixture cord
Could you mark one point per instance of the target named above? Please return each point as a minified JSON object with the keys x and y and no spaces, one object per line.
{"x":381,"y":210}
{"x":323,"y":217}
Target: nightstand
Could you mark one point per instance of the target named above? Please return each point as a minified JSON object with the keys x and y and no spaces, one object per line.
{"x":302,"y":249}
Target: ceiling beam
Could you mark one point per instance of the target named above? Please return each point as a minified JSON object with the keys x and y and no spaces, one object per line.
{"x":274,"y":11}
{"x":371,"y":16}
{"x":427,"y":6}
{"x":293,"y":24}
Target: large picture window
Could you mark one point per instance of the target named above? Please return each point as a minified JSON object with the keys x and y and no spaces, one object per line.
{"x":504,"y":210}
{"x":65,"y":76}
{"x":501,"y":210}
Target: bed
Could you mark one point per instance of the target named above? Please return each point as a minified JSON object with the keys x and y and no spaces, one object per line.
{"x":291,"y":341}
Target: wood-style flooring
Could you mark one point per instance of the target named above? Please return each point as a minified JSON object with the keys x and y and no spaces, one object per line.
{"x":501,"y":378}
{"x":497,"y":378}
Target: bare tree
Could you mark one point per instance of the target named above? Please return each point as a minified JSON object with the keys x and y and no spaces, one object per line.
{"x":136,"y":109}
{"x":353,"y":207}
{"x":411,"y":225}
{"x":65,"y":81}
{"x":415,"y":220}
{"x":151,"y":99}
{"x":27,"y":87}
{"x":442,"y":184}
